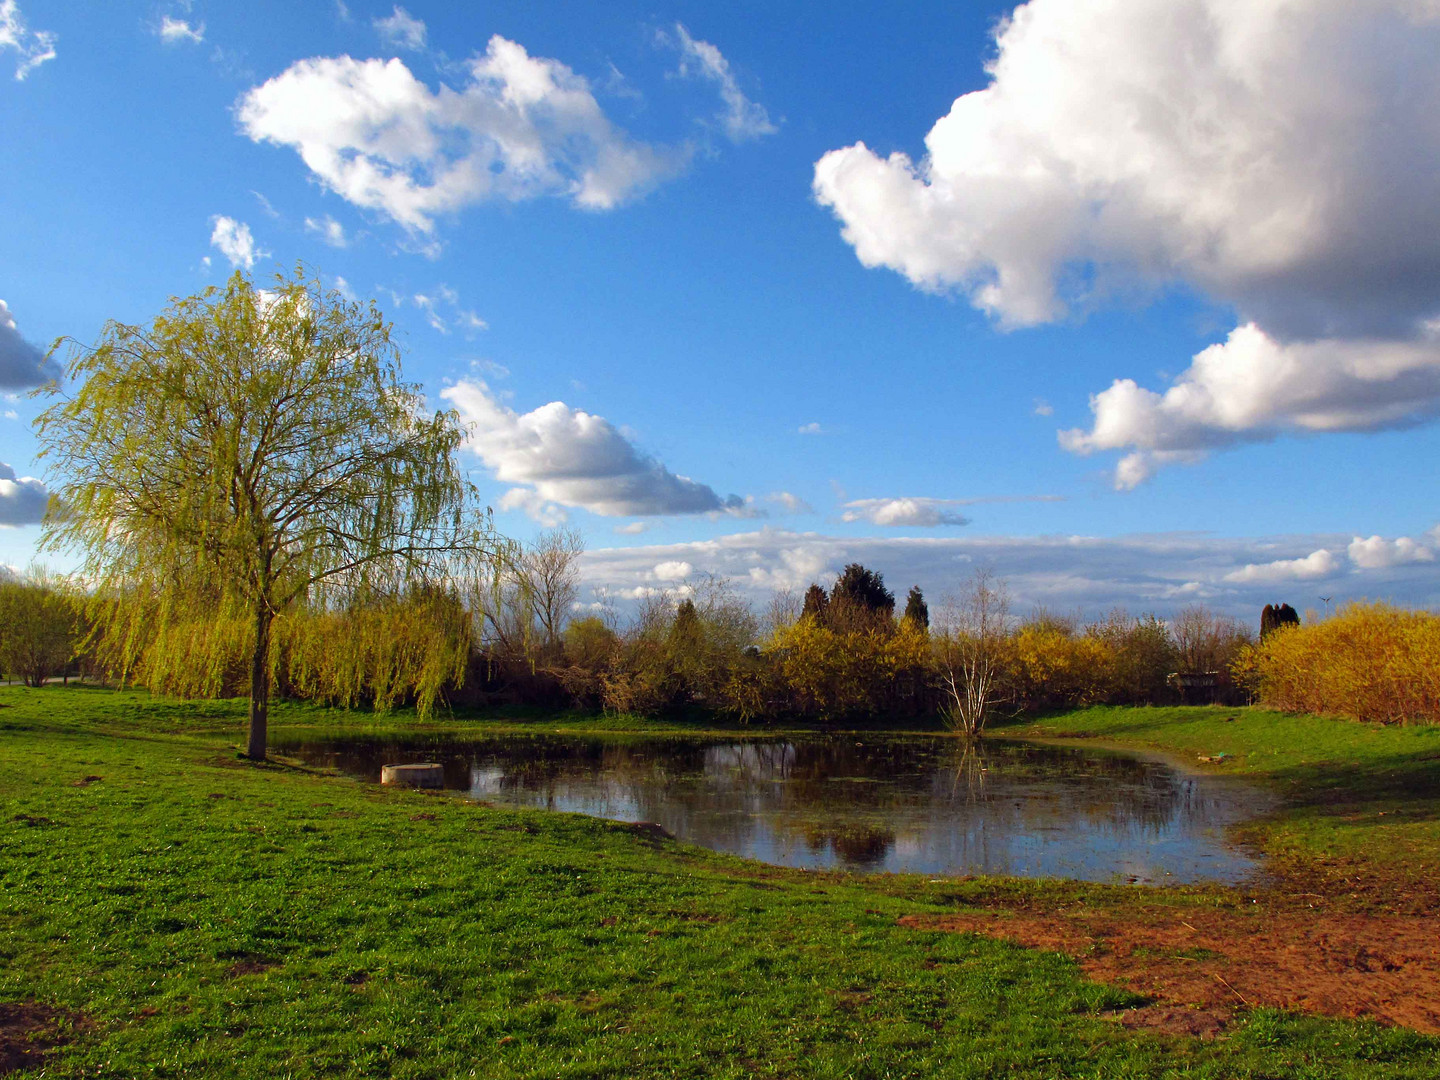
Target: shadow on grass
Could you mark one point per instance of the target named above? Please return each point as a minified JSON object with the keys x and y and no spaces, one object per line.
{"x":1339,"y":788}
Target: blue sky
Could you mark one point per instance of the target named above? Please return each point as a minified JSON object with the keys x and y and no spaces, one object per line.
{"x":678,"y":232}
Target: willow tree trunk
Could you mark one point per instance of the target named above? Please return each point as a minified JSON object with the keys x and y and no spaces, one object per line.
{"x":260,"y":685}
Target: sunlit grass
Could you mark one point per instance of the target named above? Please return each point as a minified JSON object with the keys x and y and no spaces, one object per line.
{"x":215,"y":918}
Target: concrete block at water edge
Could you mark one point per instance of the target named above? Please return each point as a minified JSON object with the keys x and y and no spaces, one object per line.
{"x":424,"y":774}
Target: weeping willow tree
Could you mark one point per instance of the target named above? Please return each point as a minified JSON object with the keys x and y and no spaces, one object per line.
{"x":252,"y":454}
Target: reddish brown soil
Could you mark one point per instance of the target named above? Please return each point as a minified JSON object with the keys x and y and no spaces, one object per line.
{"x":1198,"y":965}
{"x":29,"y":1030}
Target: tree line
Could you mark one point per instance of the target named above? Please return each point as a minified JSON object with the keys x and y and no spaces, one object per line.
{"x":261,"y":504}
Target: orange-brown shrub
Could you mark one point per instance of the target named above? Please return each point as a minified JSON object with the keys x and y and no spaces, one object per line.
{"x":1371,"y":662}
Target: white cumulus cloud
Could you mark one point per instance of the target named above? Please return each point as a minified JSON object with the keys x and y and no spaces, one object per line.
{"x":1277,"y":156}
{"x":33,"y":46}
{"x":741,"y":118}
{"x":907,"y":512}
{"x":672,"y":570}
{"x":522,"y":126}
{"x":174,"y":31}
{"x":22,"y":498}
{"x":235,"y":241}
{"x":573,"y":458}
{"x":401,"y":30}
{"x":21,"y":363}
{"x":1252,"y":387}
{"x":1318,"y":564}
{"x":1377,"y":553}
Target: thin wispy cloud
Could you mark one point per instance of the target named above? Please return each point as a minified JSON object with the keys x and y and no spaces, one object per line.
{"x":32,"y":47}
{"x":443,"y":311}
{"x":790,"y":503}
{"x":907,"y":511}
{"x":401,"y":30}
{"x":922,"y":512}
{"x":740,"y":118}
{"x":328,"y":230}
{"x":173,"y":31}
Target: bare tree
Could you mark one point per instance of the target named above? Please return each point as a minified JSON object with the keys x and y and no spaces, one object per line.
{"x":969,"y":651}
{"x":1204,"y":641}
{"x":522,"y":608}
{"x":550,"y":568}
{"x":783,"y":610}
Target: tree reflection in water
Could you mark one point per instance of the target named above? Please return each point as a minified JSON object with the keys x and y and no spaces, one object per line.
{"x":933,"y":805}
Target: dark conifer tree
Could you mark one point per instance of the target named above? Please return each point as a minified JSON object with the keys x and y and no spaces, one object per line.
{"x":817,"y":605}
{"x":1275,"y":616}
{"x":860,"y":601}
{"x":916,"y":610}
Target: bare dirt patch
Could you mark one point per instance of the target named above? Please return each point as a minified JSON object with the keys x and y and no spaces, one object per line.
{"x":1198,"y":965}
{"x":250,"y":965}
{"x":29,"y":1031}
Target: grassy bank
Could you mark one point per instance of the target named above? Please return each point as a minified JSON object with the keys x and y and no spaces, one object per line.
{"x":1362,"y":802}
{"x":194,"y":915}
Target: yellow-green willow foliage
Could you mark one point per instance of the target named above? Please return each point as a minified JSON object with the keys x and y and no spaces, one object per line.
{"x":39,"y":627}
{"x":1371,"y":662}
{"x":381,"y":654}
{"x":250,"y":451}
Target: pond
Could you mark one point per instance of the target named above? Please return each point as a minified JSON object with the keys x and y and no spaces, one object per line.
{"x":864,"y":802}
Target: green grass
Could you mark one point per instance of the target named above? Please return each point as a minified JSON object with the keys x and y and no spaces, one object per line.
{"x":214,"y":918}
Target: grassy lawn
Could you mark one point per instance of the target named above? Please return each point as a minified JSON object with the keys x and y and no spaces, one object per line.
{"x":199,"y":916}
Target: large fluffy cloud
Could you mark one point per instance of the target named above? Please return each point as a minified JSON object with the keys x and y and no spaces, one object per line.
{"x":1378,"y":553}
{"x":520,"y":127}
{"x":1279,"y":156}
{"x":21,"y":363}
{"x":1321,"y":563}
{"x":22,"y":498}
{"x":1160,"y":572}
{"x":568,"y":457}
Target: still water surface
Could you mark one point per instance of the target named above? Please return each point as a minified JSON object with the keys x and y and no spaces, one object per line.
{"x":869,"y":802}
